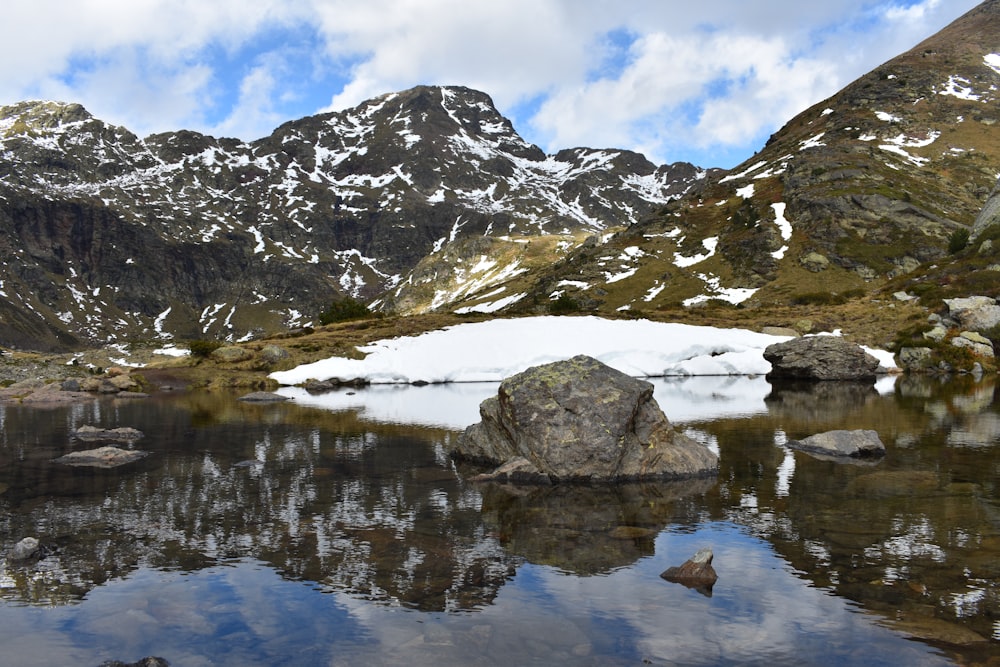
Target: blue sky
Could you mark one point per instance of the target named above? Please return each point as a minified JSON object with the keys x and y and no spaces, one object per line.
{"x":705,"y":82}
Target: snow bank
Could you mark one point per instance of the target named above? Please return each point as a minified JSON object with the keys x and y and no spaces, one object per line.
{"x":490,"y":351}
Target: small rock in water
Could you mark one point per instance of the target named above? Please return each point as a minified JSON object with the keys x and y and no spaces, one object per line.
{"x":102,"y":457}
{"x":859,"y":443}
{"x":696,"y":573}
{"x":92,"y":433}
{"x":263,"y":397}
{"x":25,"y":549}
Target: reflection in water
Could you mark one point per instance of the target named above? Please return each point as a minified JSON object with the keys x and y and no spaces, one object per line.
{"x":281,"y":534}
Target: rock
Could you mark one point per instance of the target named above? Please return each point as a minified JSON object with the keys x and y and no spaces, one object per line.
{"x":94,"y":434}
{"x":914,"y":358}
{"x":53,"y":395}
{"x":27,"y":548}
{"x":518,"y":470}
{"x":102,"y":457}
{"x":580,"y":420}
{"x":858,"y":444}
{"x":937,"y":333}
{"x":697,"y":572}
{"x":231,"y":354}
{"x":122,"y":382}
{"x":978,"y":313}
{"x":978,"y":344}
{"x":263,"y":397}
{"x":70,"y":384}
{"x":820,"y":358}
{"x":814,"y":262}
{"x":989,"y":215}
{"x":331,"y":384}
{"x":272,"y":354}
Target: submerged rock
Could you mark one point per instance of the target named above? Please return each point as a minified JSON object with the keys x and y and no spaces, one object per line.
{"x":820,"y":358}
{"x":580,"y":420}
{"x":697,"y":572}
{"x":263,"y":397}
{"x":858,"y":444}
{"x":94,"y":434}
{"x":102,"y":457}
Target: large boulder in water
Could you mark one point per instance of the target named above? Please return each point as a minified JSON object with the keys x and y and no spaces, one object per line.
{"x":580,"y":420}
{"x":820,"y":358}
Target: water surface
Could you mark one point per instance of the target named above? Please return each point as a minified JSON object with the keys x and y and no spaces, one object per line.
{"x":290,"y":534}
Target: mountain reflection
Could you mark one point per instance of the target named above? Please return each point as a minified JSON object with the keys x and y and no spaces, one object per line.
{"x":378,"y":511}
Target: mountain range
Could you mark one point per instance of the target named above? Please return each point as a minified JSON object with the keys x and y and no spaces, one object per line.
{"x":428,"y":200}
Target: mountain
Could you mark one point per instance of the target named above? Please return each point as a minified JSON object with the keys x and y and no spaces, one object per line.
{"x":428,"y":200}
{"x":849,"y":196}
{"x":111,"y":238}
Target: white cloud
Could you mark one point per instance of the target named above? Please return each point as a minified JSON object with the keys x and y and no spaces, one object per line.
{"x":694,"y":80}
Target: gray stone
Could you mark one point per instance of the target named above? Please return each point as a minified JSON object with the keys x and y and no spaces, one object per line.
{"x":977,"y":344}
{"x":263,"y":397}
{"x":272,"y":354}
{"x":937,"y":333}
{"x":814,"y":262}
{"x":858,"y":443}
{"x":989,"y":215}
{"x":94,"y":434}
{"x":102,"y":457}
{"x":978,"y":313}
{"x":820,"y":358}
{"x":914,"y":358}
{"x":27,"y":548}
{"x":580,"y":420}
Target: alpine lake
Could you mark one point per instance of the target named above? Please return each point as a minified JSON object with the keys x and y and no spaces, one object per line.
{"x":341,"y":533}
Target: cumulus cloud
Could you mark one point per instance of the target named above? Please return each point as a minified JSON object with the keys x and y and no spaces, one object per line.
{"x":702,"y":81}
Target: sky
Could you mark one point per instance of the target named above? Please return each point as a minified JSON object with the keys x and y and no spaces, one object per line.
{"x":709,"y":371}
{"x":704,"y":82}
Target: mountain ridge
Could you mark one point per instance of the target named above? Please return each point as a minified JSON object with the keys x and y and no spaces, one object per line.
{"x":343,"y":203}
{"x":427,"y":200}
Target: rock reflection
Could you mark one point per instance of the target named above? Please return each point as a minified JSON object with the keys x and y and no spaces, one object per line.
{"x":916,"y":539}
{"x":374,"y":515}
{"x":819,"y":402}
{"x":584,"y":529}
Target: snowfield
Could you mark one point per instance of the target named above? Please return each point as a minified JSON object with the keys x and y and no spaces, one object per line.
{"x":707,"y":373}
{"x":493,"y":350}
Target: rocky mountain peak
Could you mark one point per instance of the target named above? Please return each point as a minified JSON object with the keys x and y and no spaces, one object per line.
{"x":185,"y":235}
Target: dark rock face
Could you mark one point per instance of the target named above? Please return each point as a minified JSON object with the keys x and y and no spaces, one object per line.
{"x":820,"y":358}
{"x":580,"y":420}
{"x":858,"y":444}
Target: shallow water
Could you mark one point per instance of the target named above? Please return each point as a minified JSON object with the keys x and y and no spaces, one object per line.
{"x":296,"y":535}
